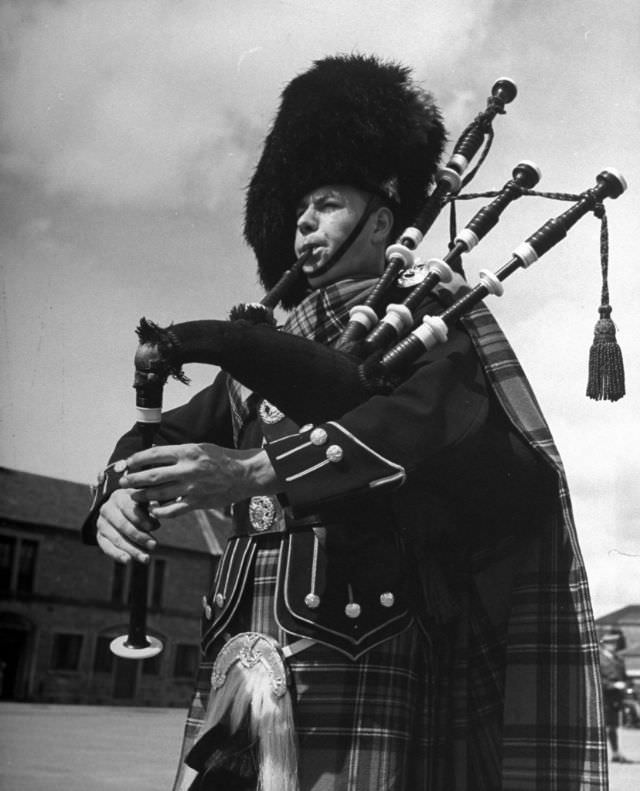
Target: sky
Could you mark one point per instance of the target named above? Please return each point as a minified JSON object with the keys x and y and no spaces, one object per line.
{"x":129,"y":130}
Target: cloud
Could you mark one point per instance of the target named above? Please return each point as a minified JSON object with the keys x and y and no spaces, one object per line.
{"x":162,"y":103}
{"x":106,"y":101}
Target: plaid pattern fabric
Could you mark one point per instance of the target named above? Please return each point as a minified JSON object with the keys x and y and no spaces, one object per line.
{"x":320,"y":317}
{"x":360,"y":725}
{"x":553,"y":734}
{"x":512,"y":705}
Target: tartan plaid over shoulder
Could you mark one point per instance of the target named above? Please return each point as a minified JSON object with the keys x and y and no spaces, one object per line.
{"x":553,"y":735}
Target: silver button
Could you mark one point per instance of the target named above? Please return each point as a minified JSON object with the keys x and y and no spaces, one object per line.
{"x":318,"y":436}
{"x":387,"y":599}
{"x":312,"y":600}
{"x":352,"y":610}
{"x":206,"y":608}
{"x":334,"y":453}
{"x":219,"y":600}
{"x":269,"y":413}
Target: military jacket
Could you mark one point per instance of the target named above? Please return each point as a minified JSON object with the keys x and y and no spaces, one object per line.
{"x":377,"y":509}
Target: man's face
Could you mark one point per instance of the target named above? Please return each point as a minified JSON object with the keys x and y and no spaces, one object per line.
{"x":325,"y":218}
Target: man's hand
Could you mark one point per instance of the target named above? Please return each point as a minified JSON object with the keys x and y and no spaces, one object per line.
{"x":174,"y":479}
{"x":123,"y":528}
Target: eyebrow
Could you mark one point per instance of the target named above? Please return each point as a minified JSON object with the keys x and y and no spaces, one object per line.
{"x":316,"y":195}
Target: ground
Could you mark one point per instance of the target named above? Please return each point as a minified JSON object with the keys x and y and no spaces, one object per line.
{"x":104,"y":748}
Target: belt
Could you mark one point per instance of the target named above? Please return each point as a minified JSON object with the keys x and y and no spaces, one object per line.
{"x":264,"y":515}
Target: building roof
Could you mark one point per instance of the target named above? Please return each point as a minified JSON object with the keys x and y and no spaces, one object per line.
{"x":51,"y":502}
{"x":626,"y":615}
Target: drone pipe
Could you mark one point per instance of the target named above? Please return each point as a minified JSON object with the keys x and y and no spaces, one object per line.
{"x":399,"y":318}
{"x":609,"y":184}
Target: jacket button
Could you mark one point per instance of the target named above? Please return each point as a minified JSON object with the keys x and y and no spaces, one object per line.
{"x":318,"y":436}
{"x":352,"y":610}
{"x":219,"y":600}
{"x":312,"y":600}
{"x":334,"y":453}
{"x":206,"y":607}
{"x":387,"y":599}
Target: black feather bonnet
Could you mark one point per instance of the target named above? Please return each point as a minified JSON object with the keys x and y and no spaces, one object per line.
{"x":349,"y":119}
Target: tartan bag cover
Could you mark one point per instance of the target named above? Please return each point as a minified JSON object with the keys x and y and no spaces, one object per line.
{"x":553,"y":730}
{"x":553,"y":734}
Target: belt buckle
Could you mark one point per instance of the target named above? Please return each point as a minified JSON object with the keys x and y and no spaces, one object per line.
{"x":262,"y":512}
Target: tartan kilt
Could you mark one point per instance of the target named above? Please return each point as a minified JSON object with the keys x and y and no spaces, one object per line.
{"x":361,"y":725}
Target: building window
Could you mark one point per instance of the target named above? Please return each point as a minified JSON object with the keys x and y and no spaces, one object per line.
{"x":26,"y":565}
{"x":121,"y":583}
{"x":186,"y":663}
{"x":7,"y":554}
{"x":17,"y":564}
{"x":66,"y":651}
{"x":103,"y":658}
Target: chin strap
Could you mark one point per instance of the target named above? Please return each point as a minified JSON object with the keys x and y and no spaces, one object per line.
{"x":374,"y":203}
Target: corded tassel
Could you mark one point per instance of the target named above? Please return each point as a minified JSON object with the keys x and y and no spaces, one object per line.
{"x":456,"y":262}
{"x":606,"y":369}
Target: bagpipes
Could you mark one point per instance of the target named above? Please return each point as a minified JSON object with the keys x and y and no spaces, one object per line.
{"x":313,"y":383}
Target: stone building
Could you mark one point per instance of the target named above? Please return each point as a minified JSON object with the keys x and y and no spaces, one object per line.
{"x":61,"y":603}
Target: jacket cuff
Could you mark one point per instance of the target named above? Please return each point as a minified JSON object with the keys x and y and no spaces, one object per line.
{"x":107,"y":483}
{"x":319,"y":465}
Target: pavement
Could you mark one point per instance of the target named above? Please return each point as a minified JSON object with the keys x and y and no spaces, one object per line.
{"x":88,"y":748}
{"x":103,"y":748}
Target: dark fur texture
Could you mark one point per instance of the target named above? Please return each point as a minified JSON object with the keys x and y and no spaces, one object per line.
{"x":348,"y":120}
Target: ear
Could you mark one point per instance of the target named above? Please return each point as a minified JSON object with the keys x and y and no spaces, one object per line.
{"x":382,"y":224}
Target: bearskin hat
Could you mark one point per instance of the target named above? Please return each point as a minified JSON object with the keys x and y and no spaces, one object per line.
{"x":349,"y":119}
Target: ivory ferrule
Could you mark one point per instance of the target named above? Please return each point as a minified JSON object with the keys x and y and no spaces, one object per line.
{"x":364,"y":315}
{"x":491,"y":282}
{"x":412,"y":236}
{"x":459,"y":163}
{"x":525,"y":253}
{"x":400,"y":251}
{"x":148,"y":414}
{"x":468,"y":238}
{"x":431,"y":332}
{"x":440,"y":268}
{"x":451,"y":177}
{"x":399,"y":317}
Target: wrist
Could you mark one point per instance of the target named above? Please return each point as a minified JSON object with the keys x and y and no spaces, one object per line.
{"x":259,"y":473}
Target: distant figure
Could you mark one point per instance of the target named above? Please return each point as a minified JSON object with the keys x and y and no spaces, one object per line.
{"x":614,"y":684}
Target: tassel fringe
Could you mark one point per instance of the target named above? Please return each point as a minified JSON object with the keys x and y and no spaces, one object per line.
{"x":606,"y":368}
{"x":253,"y":313}
{"x":245,"y":714}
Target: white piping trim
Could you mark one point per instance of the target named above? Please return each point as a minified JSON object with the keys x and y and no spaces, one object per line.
{"x":399,"y":476}
{"x":281,"y":439}
{"x":293,"y":450}
{"x":359,"y":442}
{"x":307,"y":471}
